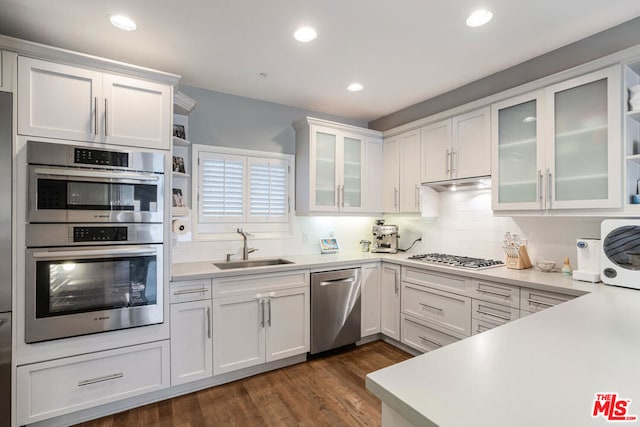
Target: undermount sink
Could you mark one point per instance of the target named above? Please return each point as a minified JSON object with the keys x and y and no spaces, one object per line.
{"x":228,"y":265}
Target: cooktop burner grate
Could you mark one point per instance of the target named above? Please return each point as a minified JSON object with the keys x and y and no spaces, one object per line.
{"x":457,"y":261}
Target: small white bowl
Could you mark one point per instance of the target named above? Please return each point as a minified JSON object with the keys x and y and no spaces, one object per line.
{"x":546,"y":266}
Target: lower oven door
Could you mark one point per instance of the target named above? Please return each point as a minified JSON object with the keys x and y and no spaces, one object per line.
{"x":73,"y":291}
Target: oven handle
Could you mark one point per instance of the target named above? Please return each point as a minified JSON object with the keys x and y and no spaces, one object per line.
{"x":91,"y":254}
{"x":96,"y":174}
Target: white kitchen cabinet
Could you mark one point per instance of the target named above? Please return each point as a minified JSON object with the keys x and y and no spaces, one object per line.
{"x":61,"y":386}
{"x":390,"y":301}
{"x":191,"y":330}
{"x":191,"y":341}
{"x":61,"y":101}
{"x":445,"y":311}
{"x":559,"y":147}
{"x":370,"y":299}
{"x":256,"y":328}
{"x":401,"y":185}
{"x":336,"y":168}
{"x":422,"y":336}
{"x":534,"y":300}
{"x":457,"y":148}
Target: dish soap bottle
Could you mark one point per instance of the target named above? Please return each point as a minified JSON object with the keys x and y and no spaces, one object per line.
{"x":566,"y":268}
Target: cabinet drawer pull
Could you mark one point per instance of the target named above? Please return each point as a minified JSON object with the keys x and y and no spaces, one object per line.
{"x":101,"y":379}
{"x":533,"y":301}
{"x":190,"y":291}
{"x":430,"y":341}
{"x":500,"y":294}
{"x":497,"y":316}
{"x":431,"y":307}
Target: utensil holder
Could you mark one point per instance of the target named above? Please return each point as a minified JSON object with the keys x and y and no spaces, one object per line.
{"x":519,"y":262}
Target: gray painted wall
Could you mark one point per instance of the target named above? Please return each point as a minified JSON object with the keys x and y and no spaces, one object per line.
{"x":232,"y":121}
{"x":596,"y":46}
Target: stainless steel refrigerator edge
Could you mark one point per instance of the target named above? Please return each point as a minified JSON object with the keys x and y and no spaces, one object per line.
{"x":335,"y":309}
{"x":6,"y":153}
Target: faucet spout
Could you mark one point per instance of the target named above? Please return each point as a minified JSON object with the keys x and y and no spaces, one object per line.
{"x":246,"y":250}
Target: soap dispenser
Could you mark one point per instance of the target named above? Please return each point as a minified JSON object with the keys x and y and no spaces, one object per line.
{"x":566,"y":268}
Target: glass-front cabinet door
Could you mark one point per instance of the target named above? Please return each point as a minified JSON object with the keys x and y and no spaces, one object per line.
{"x":338,"y":165}
{"x":584,"y":159}
{"x":518,"y":160}
{"x":350,"y":197}
{"x":559,"y":147}
{"x":324,"y":148}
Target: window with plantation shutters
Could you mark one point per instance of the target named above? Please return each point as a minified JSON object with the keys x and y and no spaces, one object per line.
{"x":268,"y":190}
{"x":221,"y":187}
{"x":241,"y":188}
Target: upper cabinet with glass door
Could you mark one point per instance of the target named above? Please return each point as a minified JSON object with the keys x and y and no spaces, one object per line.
{"x":559,"y":148}
{"x":334,"y":168}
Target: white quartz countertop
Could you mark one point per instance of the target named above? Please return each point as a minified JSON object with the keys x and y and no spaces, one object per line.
{"x":527,"y":278}
{"x":541,"y":370}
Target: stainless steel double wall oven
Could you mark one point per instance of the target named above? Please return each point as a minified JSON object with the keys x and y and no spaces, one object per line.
{"x":94,"y":236}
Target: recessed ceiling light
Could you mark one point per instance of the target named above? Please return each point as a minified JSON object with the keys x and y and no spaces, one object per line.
{"x":305,"y":34}
{"x":355,"y":87}
{"x":479,"y":17}
{"x":529,"y":119}
{"x":123,"y":22}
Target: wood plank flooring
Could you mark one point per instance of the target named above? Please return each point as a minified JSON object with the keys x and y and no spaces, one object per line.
{"x":327,"y":391}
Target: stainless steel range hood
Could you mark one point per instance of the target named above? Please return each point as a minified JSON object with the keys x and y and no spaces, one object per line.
{"x":474,"y":183}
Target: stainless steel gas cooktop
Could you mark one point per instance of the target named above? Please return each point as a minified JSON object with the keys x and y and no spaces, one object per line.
{"x":457,"y":261}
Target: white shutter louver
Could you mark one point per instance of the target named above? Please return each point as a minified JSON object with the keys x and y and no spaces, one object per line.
{"x":221,"y":187}
{"x":268,"y":190}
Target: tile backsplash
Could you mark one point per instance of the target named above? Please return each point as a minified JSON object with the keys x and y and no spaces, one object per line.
{"x":466,"y":226}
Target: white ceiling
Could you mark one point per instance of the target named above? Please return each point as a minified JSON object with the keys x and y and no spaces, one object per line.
{"x":402,"y":51}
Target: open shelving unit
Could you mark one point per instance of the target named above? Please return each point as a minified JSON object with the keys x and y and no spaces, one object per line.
{"x":181,"y":152}
{"x":631,"y":136}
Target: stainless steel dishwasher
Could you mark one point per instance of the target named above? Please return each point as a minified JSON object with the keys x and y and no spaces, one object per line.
{"x":335,"y":309}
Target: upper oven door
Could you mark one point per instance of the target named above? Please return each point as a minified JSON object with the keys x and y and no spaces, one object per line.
{"x":61,"y":194}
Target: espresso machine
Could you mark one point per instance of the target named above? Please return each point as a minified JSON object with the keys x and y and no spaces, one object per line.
{"x":385,"y":237}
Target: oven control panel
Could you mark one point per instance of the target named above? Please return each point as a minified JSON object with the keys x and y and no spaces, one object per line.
{"x":88,"y":156}
{"x":100,"y":234}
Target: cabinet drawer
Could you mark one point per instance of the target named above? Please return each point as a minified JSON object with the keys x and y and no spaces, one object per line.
{"x":422,"y":337}
{"x":443,"y":282}
{"x":190,"y":290}
{"x":450,"y":311}
{"x":494,"y":313}
{"x":257,"y":283}
{"x":479,"y":326}
{"x":496,"y":292}
{"x":534,"y":300}
{"x":58,"y":387}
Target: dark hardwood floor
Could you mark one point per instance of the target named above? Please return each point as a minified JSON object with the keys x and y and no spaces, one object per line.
{"x":326,"y":391}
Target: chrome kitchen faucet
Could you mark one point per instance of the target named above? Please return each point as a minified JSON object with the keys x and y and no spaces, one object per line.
{"x":246,"y":250}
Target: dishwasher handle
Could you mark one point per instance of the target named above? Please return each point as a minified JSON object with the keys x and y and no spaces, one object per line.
{"x":337,"y":281}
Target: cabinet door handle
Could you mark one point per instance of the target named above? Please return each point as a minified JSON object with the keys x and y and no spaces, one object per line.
{"x":395,"y":283}
{"x":417,"y":195}
{"x":262,"y":313}
{"x":448,"y":162}
{"x":269,"y":305}
{"x":533,"y":301}
{"x":436,"y":343}
{"x":549,"y":188}
{"x":342,"y":196}
{"x":208,"y":322}
{"x":395,"y":197}
{"x":500,"y":294}
{"x":106,"y":117}
{"x":540,"y":179}
{"x":497,"y":316}
{"x":95,"y":115}
{"x":190,"y":291}
{"x":101,"y":379}
{"x":454,"y":159}
{"x":430,"y":306}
